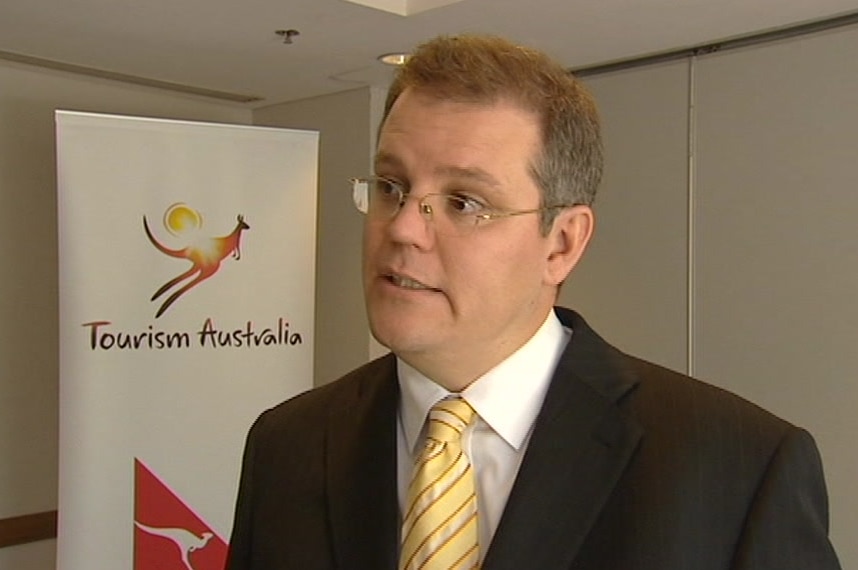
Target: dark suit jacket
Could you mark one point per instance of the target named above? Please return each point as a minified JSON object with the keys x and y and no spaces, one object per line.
{"x":630,"y":466}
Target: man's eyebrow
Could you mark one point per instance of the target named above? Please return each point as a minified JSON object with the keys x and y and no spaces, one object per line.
{"x":386,"y":159}
{"x":472,"y":173}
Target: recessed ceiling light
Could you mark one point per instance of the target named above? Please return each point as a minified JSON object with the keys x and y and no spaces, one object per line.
{"x":404,"y":7}
{"x":394,"y":58}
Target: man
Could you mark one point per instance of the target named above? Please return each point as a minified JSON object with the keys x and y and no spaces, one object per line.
{"x":549,"y":448}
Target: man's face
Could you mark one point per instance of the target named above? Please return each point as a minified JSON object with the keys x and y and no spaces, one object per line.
{"x":444,"y":302}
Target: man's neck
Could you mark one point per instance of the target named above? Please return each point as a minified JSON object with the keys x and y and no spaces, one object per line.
{"x":458,"y":369}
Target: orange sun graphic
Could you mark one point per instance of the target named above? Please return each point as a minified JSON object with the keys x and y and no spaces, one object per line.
{"x":181,"y":218}
{"x":204,"y":252}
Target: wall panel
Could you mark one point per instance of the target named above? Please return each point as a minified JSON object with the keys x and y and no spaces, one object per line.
{"x":631,"y":285}
{"x":777,"y":250}
{"x":343,"y":120}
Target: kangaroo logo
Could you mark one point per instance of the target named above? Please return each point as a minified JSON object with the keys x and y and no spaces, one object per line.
{"x":204,"y":253}
{"x":186,"y":541}
{"x":168,"y":535}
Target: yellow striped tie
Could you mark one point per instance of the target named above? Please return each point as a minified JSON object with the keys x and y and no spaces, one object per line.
{"x":439,"y":529}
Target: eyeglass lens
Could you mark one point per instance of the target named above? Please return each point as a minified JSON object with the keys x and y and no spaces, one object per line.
{"x":382,"y":199}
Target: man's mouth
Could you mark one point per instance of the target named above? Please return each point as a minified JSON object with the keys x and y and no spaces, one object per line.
{"x":408,"y":283}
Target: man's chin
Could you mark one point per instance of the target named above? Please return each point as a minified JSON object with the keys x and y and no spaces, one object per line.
{"x":379,"y":338}
{"x":398,"y":339}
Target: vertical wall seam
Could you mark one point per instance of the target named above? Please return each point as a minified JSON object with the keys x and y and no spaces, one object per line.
{"x":691,"y":202}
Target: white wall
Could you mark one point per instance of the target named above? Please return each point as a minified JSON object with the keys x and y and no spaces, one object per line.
{"x":28,"y":280}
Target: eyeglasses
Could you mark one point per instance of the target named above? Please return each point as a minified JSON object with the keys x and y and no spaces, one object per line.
{"x":450,"y":214}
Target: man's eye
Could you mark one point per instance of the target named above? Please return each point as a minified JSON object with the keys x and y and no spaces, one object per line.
{"x":465,"y":205}
{"x":387,"y":189}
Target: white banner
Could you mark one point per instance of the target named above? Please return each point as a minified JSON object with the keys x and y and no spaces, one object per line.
{"x":187,"y":262}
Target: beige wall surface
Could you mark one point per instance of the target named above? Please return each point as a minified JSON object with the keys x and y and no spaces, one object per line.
{"x":777,"y":248}
{"x":33,"y":556}
{"x":28,"y":280}
{"x":770,"y":236}
{"x":343,"y":121}
{"x":631,"y":285}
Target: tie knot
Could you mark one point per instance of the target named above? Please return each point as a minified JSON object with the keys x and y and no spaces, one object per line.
{"x":448,"y":419}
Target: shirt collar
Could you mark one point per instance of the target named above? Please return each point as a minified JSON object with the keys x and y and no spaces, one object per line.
{"x":507,"y":398}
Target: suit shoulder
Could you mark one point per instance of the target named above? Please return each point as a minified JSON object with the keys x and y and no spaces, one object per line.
{"x":699,"y":406}
{"x":657,"y":397}
{"x":335,"y":397}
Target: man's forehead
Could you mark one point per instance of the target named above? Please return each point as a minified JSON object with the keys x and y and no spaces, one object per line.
{"x":456,"y":140}
{"x":385,"y":159}
{"x":433,"y":102}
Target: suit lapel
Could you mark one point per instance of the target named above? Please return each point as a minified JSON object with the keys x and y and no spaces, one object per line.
{"x":580,"y":446}
{"x":361,"y":470}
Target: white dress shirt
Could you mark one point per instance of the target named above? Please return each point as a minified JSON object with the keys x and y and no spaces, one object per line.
{"x":507,"y":400}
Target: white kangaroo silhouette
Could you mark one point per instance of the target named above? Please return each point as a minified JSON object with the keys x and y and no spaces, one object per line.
{"x":185,"y":540}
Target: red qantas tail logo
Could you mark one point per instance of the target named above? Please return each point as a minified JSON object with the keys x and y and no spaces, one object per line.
{"x":204,"y":253}
{"x":167,"y":534}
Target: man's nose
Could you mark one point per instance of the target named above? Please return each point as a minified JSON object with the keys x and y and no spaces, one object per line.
{"x":412,"y":224}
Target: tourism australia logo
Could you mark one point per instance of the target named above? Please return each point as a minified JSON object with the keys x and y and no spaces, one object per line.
{"x":203,"y":254}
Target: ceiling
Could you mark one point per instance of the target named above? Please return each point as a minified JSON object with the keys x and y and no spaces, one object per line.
{"x":230,"y":47}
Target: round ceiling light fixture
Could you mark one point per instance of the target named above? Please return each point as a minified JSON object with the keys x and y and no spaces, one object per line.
{"x":394,"y":58}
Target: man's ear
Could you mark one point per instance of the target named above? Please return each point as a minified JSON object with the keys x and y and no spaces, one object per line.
{"x":567,"y":241}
